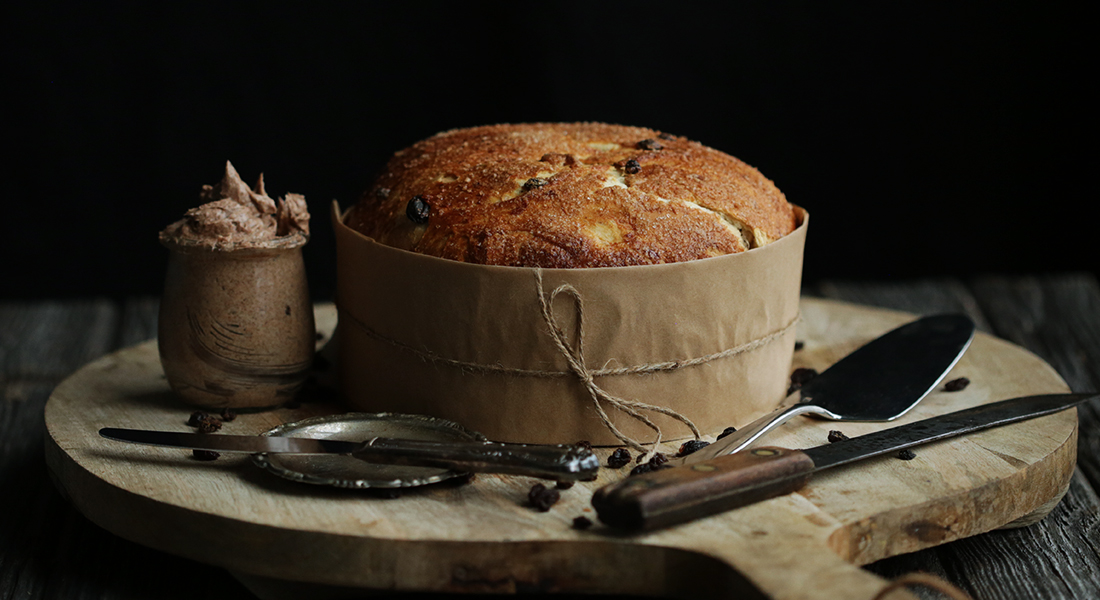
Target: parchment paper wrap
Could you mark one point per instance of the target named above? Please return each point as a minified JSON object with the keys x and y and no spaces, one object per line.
{"x":403,"y":315}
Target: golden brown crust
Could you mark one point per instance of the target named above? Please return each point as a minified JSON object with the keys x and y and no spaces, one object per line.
{"x":569,"y":195}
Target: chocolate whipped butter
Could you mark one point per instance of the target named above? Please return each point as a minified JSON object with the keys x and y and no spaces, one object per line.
{"x":236,"y":323}
{"x":233,"y":215}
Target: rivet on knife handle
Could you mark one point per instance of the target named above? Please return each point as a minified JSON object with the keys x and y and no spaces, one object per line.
{"x":676,"y":495}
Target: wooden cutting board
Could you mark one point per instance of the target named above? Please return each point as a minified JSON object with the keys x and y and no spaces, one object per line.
{"x":480,"y":537}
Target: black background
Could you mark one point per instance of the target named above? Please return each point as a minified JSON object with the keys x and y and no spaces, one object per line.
{"x":924,"y":141}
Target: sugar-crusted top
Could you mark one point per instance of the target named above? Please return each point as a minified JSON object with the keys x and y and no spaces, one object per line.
{"x":570,"y":195}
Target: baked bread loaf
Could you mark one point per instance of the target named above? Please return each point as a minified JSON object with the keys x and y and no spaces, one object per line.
{"x":570,"y":195}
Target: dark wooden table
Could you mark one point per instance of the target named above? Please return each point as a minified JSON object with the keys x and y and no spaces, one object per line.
{"x":48,"y":550}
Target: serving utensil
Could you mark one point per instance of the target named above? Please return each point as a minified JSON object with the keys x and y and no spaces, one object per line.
{"x":880,"y":381}
{"x":379,"y":450}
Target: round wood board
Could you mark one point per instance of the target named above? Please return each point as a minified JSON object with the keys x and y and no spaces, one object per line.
{"x":481,"y":537}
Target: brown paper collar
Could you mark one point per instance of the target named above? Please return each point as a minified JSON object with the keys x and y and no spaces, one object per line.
{"x":574,"y":356}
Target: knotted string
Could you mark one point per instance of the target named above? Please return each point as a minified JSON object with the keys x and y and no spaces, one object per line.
{"x":574,"y":355}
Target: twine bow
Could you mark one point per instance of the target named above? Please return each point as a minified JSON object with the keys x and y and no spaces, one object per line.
{"x":574,"y":355}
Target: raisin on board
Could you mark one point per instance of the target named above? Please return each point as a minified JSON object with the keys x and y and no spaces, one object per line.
{"x":209,"y":424}
{"x":642,"y":468}
{"x":619,"y":458}
{"x":691,"y":446}
{"x":836,"y":436}
{"x":658,"y":459}
{"x":800,"y":377}
{"x":205,"y":455}
{"x":542,"y":497}
{"x":956,"y":385}
{"x":195,"y":418}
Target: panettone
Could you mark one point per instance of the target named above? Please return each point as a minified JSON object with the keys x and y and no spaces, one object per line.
{"x":570,"y":195}
{"x":494,"y":320}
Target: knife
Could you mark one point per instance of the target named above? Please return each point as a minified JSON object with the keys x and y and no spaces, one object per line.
{"x":679,"y":494}
{"x":560,"y":462}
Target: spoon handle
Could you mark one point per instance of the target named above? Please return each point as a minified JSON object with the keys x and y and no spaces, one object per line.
{"x":562,"y":463}
{"x":743,"y":437}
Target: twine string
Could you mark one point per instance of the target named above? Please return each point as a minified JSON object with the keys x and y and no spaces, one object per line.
{"x":574,"y":356}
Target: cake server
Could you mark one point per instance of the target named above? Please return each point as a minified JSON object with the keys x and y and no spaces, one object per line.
{"x":676,"y":495}
{"x":560,"y":462}
{"x":880,"y":381}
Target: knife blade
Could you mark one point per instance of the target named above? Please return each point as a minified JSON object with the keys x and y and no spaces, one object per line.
{"x":679,"y":494}
{"x":560,"y":462}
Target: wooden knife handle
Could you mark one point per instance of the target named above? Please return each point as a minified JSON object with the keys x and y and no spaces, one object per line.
{"x":679,"y":494}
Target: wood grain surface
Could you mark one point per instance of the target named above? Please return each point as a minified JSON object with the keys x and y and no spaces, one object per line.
{"x":481,"y":537}
{"x":49,"y":550}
